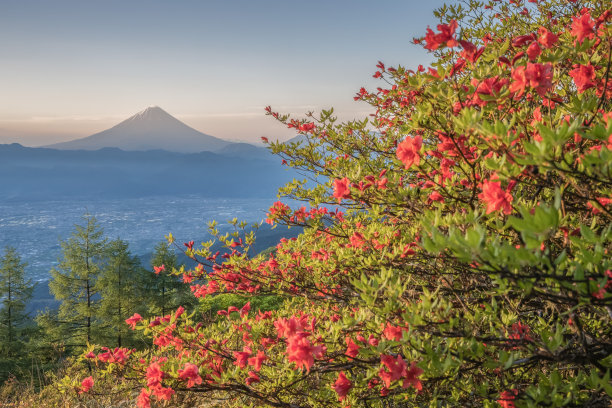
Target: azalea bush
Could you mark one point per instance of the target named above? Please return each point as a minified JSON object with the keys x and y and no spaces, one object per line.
{"x":456,"y":244}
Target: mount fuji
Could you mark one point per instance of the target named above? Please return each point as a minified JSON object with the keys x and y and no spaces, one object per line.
{"x":150,"y":129}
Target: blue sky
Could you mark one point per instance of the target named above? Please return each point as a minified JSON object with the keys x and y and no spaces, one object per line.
{"x":73,"y":68}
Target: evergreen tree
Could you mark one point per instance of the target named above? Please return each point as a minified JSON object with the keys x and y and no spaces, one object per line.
{"x":119,"y":290}
{"x":15,"y":291}
{"x":164,"y":291}
{"x":74,"y":281}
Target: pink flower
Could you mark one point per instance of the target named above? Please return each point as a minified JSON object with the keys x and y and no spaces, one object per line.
{"x":519,"y":80}
{"x":539,"y":76}
{"x":302,"y":352}
{"x":144,"y":399}
{"x":408,"y":151}
{"x":357,"y":240}
{"x":520,"y":331}
{"x":411,"y":378}
{"x":352,"y":348}
{"x":154,"y":375}
{"x":395,"y":369}
{"x":132,"y":321}
{"x":546,"y":38}
{"x":86,"y":384}
{"x":163,"y":394}
{"x":342,"y":386}
{"x":583,"y":77}
{"x":306,"y":127}
{"x":582,"y":27}
{"x":258,"y":360}
{"x":393,"y":332}
{"x":533,"y":51}
{"x":252,"y":378}
{"x":506,"y":399}
{"x":242,"y":357}
{"x":444,"y":37}
{"x":287,"y":327}
{"x":495,"y":197}
{"x":341,"y":189}
{"x":191,"y":373}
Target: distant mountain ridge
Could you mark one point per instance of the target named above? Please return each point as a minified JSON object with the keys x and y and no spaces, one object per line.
{"x":43,"y":173}
{"x":150,"y":129}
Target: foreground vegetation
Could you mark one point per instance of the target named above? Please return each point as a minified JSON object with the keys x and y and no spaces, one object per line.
{"x":468,"y":260}
{"x":99,"y":284}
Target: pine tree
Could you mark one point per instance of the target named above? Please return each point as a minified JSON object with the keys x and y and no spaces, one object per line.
{"x":15,"y":291}
{"x":74,"y":281}
{"x":164,"y":291}
{"x":120,"y":295}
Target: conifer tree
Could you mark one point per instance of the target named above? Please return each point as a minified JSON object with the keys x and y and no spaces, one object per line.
{"x":119,"y":290}
{"x":74,"y":281}
{"x":163,"y":290}
{"x":15,"y":291}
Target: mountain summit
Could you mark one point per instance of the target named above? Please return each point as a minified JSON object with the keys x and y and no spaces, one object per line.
{"x":152,"y":128}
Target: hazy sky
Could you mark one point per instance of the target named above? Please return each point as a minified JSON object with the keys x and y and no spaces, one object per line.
{"x":72,"y":68}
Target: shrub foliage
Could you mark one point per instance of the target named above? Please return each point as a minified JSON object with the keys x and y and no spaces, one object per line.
{"x":456,"y":249}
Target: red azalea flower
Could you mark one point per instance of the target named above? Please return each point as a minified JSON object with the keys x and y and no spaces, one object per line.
{"x":495,"y":197}
{"x":242,"y":357}
{"x":244,"y":310}
{"x":86,"y":384}
{"x":519,"y":81}
{"x":539,"y":76}
{"x":302,"y":352}
{"x":341,"y":189}
{"x":352,"y":348}
{"x":342,"y":386}
{"x":144,"y":399}
{"x":287,"y":327}
{"x":435,"y":196}
{"x":470,"y":52}
{"x":357,"y":240}
{"x":533,"y":51}
{"x":522,"y":40}
{"x":395,"y":369}
{"x":408,"y":151}
{"x":583,"y":77}
{"x":191,"y":373}
{"x":154,"y":375}
{"x":163,"y":394}
{"x":411,"y":378}
{"x":506,"y":398}
{"x":520,"y":331}
{"x":547,"y":38}
{"x":603,"y":201}
{"x":252,"y":378}
{"x":582,"y":27}
{"x":258,"y":360}
{"x":393,"y":332}
{"x":488,"y":86}
{"x":444,"y":37}
{"x":306,"y":127}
